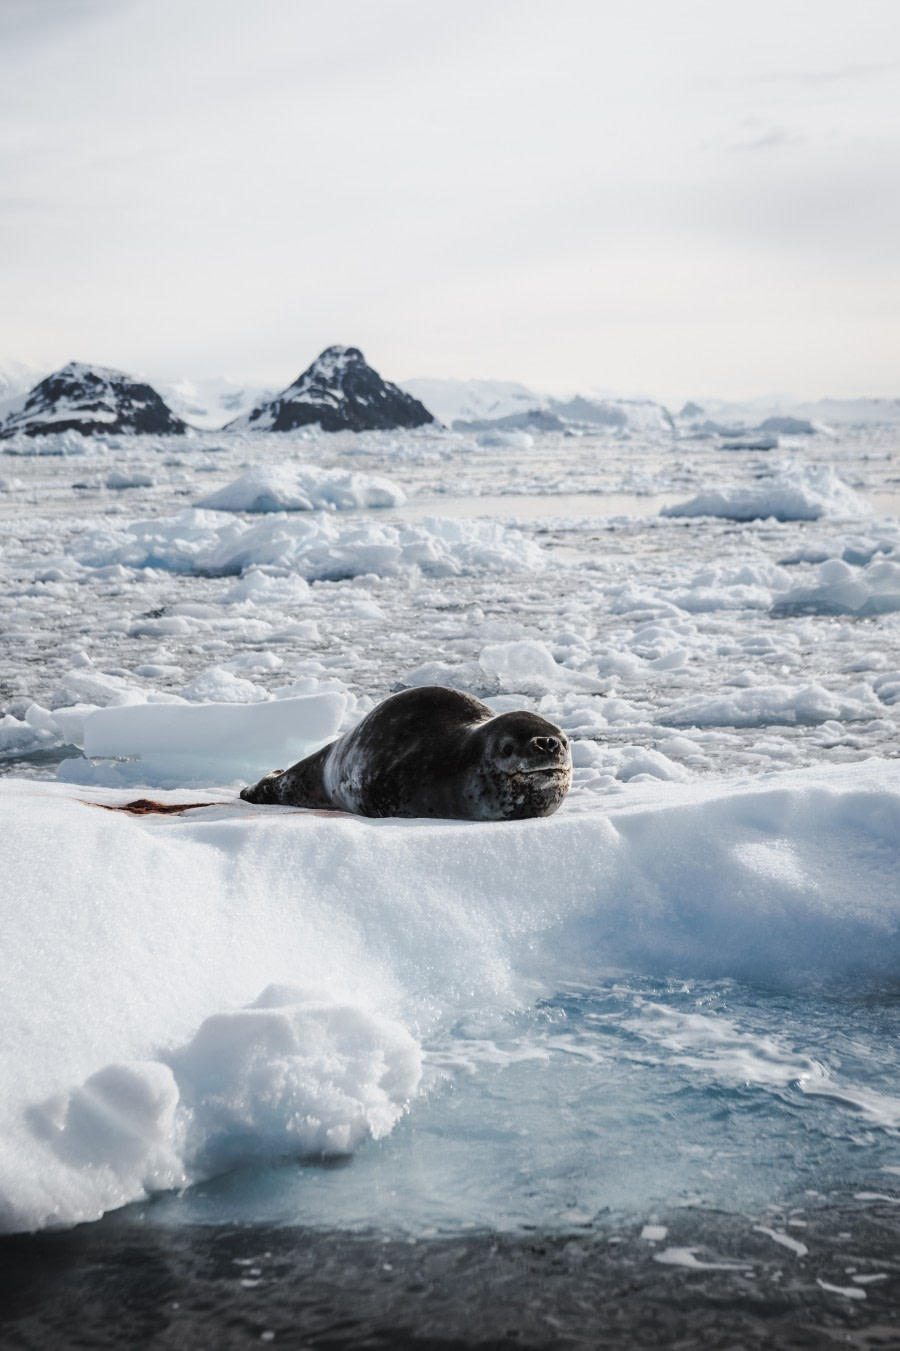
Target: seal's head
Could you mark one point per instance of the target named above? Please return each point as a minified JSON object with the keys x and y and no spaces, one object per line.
{"x":524,"y":766}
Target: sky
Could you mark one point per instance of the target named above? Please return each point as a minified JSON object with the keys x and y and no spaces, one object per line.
{"x":673,"y":198}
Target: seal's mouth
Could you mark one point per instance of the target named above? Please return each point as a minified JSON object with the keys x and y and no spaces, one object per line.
{"x":553,"y":770}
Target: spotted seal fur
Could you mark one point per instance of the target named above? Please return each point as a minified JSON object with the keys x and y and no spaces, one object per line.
{"x":431,"y":752}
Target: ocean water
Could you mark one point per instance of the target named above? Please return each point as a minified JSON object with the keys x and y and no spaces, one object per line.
{"x":639,"y":1163}
{"x":606,"y":1106}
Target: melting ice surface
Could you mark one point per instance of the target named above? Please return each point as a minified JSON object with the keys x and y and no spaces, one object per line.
{"x":679,"y":991}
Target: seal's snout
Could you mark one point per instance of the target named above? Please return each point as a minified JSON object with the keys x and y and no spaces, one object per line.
{"x":550,"y":745}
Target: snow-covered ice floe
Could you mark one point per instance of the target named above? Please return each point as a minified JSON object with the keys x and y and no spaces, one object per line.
{"x":304,"y":487}
{"x":841,"y":589}
{"x":792,"y":492}
{"x":183,"y":994}
{"x":316,"y":547}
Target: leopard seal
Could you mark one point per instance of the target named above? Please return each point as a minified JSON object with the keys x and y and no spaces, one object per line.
{"x":431,"y":752}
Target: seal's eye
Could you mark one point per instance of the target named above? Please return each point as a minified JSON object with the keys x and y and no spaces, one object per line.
{"x":507,"y":748}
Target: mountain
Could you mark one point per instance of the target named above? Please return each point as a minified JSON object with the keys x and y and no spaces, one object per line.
{"x":88,"y":399}
{"x":771,"y":410}
{"x":488,"y":405}
{"x":16,"y":378}
{"x":635,"y":414}
{"x":340,"y":392}
{"x":473,"y":400}
{"x":210,"y":402}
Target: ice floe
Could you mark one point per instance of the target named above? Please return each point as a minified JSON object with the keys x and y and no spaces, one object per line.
{"x":186,"y":993}
{"x":793,"y":492}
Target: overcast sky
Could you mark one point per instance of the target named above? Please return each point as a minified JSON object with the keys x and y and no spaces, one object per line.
{"x":670,"y":197}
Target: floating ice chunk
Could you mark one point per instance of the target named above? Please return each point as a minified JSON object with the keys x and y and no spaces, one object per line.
{"x":848,"y":1291}
{"x":626,"y":762}
{"x":214,"y":742}
{"x":528,"y":667}
{"x":262,"y":588}
{"x":305,"y":487}
{"x":293,"y":1075}
{"x":630,"y":761}
{"x":119,"y":479}
{"x":684,"y":1257}
{"x":89,"y":686}
{"x":887,"y":687}
{"x":522,"y":667}
{"x":296,"y":1074}
{"x":469,"y":676}
{"x":842,"y":589}
{"x":785,"y":1240}
{"x":36,"y":731}
{"x":220,"y":686}
{"x":315,"y":546}
{"x":518,"y":440}
{"x":795,"y":492}
{"x":767,"y":705}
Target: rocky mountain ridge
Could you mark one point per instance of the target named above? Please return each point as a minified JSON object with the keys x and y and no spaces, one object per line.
{"x":90,"y":400}
{"x":340,"y":392}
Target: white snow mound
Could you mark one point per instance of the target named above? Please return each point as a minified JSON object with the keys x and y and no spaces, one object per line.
{"x":794,"y":492}
{"x":304,"y":487}
{"x":316,"y":547}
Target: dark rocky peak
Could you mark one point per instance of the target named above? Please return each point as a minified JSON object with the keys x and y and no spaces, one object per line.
{"x":340,"y":392}
{"x":90,"y":400}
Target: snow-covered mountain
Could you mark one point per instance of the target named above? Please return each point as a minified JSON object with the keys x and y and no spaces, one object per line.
{"x":17,"y":378}
{"x":485,"y":405}
{"x":210,"y":402}
{"x":635,"y":414}
{"x":473,"y":400}
{"x":88,"y":399}
{"x":340,"y":392}
{"x":766,"y":412}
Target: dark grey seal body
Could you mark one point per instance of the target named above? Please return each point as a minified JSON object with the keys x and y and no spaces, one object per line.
{"x":431,"y":752}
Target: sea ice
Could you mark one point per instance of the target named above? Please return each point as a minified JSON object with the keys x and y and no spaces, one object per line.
{"x":140,"y":1051}
{"x":303,"y":487}
{"x":792,"y":492}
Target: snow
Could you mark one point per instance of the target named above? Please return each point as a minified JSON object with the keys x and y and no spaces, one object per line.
{"x":304,"y":488}
{"x":841,"y":589}
{"x":210,"y":402}
{"x":472,"y":400}
{"x":792,"y":492}
{"x":218,"y":742}
{"x":202,"y":542}
{"x":494,"y":408}
{"x":711,"y":920}
{"x":90,"y":398}
{"x":325,"y":952}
